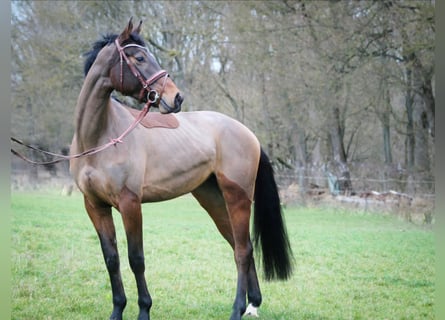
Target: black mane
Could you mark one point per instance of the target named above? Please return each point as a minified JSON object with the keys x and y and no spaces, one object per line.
{"x":97,"y":46}
{"x":107,"y":39}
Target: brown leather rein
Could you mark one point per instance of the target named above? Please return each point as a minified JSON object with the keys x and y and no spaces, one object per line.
{"x":153,"y":99}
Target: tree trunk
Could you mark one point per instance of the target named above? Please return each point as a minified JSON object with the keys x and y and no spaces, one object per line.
{"x":341,"y":169}
{"x":420,"y":109}
{"x":410,"y":142}
{"x":301,"y":159}
{"x":386,"y":125}
{"x":267,"y":120}
{"x":336,"y":135}
{"x":421,"y":152}
{"x":430,"y":105}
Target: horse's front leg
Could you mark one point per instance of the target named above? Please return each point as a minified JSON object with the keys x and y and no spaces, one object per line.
{"x":103,"y":222}
{"x":130,"y":209}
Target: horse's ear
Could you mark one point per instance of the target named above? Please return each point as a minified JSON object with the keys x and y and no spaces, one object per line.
{"x":138,"y":28}
{"x":126,"y":33}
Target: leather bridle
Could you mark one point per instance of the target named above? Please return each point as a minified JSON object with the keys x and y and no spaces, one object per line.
{"x":153,"y":96}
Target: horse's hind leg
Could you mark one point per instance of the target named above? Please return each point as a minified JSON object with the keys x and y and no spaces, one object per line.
{"x":238,"y":208}
{"x":103,"y":222}
{"x":253,"y":291}
{"x":130,"y":208}
{"x":211,"y":198}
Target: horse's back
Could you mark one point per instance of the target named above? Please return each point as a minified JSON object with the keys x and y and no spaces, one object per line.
{"x":213,"y":122}
{"x":231,"y":136}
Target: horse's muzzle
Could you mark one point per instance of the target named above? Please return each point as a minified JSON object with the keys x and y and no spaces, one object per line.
{"x":175,"y":108}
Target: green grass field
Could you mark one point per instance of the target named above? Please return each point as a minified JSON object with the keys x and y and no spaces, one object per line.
{"x":349,"y":265}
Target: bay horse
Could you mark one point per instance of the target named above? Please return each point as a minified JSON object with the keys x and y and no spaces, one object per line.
{"x":211,"y":155}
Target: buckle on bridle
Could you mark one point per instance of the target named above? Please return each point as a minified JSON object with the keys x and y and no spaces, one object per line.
{"x":153,"y":96}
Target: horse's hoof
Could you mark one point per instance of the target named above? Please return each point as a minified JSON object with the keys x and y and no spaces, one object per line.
{"x":144,"y":315}
{"x":116,"y":316}
{"x":251,"y":311}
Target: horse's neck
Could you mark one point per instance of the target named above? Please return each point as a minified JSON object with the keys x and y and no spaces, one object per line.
{"x":93,"y":105}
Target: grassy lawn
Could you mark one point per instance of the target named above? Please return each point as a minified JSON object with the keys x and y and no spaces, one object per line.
{"x":349,"y":265}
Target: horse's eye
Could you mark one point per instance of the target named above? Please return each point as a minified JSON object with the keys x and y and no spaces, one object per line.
{"x":140,"y":59}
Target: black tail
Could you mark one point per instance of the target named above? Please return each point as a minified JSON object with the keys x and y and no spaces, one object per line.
{"x":269,"y":229}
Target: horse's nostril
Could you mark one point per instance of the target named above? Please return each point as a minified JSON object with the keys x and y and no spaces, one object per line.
{"x":178,"y":102}
{"x":178,"y":99}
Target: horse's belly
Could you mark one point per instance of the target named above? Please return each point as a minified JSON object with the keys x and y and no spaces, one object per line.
{"x":160,"y":187}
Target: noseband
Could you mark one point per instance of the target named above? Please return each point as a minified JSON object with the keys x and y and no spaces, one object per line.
{"x":153,"y":96}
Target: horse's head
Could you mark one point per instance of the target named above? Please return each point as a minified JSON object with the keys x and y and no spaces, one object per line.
{"x":137,"y":73}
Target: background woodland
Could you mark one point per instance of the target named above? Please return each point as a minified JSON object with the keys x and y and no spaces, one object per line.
{"x":341,"y":89}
